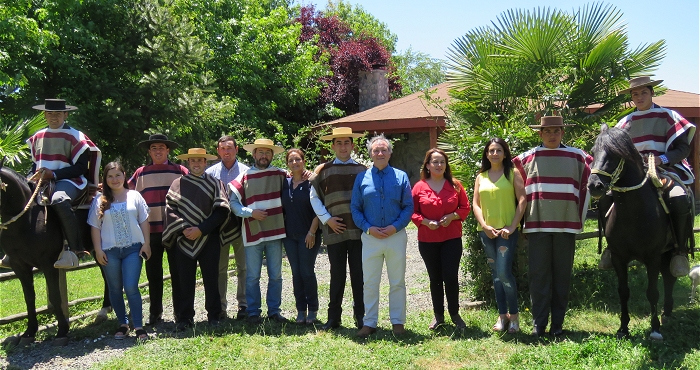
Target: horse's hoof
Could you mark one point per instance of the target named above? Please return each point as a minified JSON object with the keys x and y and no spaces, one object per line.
{"x":60,"y":342}
{"x":656,"y":336}
{"x":24,"y":341}
{"x":13,"y":340}
{"x":622,"y":334}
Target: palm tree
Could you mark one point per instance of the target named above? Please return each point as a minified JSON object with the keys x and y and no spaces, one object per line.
{"x":547,"y":60}
{"x":12,"y":140}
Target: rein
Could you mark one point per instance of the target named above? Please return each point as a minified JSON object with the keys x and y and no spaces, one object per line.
{"x":4,"y":225}
{"x":616,"y":176}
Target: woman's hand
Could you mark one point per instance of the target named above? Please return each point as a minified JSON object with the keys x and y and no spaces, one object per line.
{"x":310,"y":240}
{"x":506,"y":232}
{"x":431,"y":224}
{"x":100,"y":257}
{"x":447,"y":219}
{"x":146,"y":248}
{"x":490,"y":232}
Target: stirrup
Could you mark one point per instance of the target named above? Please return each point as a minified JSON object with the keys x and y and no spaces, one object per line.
{"x":5,"y":262}
{"x":605,"y":262}
{"x":679,"y":265}
{"x":66,"y":260}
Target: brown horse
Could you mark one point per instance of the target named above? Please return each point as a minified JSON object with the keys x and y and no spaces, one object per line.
{"x":31,"y":242}
{"x":637,"y":226}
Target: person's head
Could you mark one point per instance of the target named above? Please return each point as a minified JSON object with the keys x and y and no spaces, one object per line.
{"x":295,"y":160}
{"x":113,"y":180}
{"x":158,"y":152}
{"x":196,"y":160}
{"x":642,"y":97}
{"x":379,"y":148}
{"x":227,"y":150}
{"x":342,"y":142}
{"x":158,"y":147}
{"x":436,"y":165}
{"x":551,"y":130}
{"x":495,"y":151}
{"x":55,"y":112}
{"x":263,"y":151}
{"x":343,"y":147}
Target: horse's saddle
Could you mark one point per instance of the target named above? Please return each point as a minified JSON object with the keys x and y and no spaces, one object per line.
{"x":82,"y":201}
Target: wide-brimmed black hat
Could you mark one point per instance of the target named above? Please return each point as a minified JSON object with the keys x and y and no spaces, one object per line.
{"x":158,"y":138}
{"x":55,"y":105}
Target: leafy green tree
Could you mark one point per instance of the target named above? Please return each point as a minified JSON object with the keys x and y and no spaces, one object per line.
{"x":362,"y":22}
{"x":534,"y":63}
{"x":13,"y":147}
{"x":417,"y":71}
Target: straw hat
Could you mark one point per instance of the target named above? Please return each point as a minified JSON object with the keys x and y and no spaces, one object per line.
{"x":264,"y":143}
{"x":639,"y":82}
{"x":341,"y":132}
{"x":551,"y":121}
{"x":55,"y":105}
{"x":196,"y":153}
{"x":158,"y":138}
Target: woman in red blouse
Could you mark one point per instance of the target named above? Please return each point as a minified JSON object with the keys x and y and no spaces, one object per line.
{"x":439,"y":206}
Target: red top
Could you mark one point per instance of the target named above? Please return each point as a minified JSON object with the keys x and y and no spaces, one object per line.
{"x":431,"y":205}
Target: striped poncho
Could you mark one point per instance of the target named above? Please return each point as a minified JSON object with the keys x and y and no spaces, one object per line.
{"x":153,"y":182}
{"x":653,"y":131}
{"x":191,"y":200}
{"x":60,"y":148}
{"x":556,"y":187}
{"x":261,"y":189}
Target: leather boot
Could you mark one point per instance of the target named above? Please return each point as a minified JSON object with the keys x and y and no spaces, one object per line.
{"x":71,"y":232}
{"x":680,"y":213}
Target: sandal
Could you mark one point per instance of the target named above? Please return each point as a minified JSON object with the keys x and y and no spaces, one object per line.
{"x":514,"y":326}
{"x":121,"y":332}
{"x":500,"y":324}
{"x":141,"y":335}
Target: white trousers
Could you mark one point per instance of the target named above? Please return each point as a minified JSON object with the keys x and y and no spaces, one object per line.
{"x":374,"y":253}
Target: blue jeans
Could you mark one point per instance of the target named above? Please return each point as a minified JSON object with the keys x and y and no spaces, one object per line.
{"x":499,"y":255}
{"x":303,"y":260}
{"x":253,"y":263}
{"x":122,"y":272}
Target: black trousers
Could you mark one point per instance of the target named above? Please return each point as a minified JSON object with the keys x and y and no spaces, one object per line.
{"x":208,"y":260}
{"x":442,"y":261}
{"x":342,"y":254}
{"x":154,"y":273}
{"x":551,"y":260}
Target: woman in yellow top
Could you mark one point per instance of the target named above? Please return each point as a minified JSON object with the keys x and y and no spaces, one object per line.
{"x":499,"y":204}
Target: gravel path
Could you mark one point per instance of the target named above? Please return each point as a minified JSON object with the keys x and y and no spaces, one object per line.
{"x":86,"y":352}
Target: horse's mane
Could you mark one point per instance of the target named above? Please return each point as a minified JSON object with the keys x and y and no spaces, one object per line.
{"x":617,"y":142}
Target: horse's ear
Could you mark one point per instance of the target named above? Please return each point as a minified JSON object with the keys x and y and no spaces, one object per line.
{"x":604,"y":127}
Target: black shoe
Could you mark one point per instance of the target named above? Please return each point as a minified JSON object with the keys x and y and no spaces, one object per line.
{"x":242,"y":313}
{"x":556,"y":331}
{"x":278,"y":318}
{"x":153,"y":320}
{"x":254,"y":319}
{"x":537,"y":331}
{"x":331,"y":324}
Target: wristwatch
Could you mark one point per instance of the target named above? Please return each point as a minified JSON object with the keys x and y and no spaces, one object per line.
{"x":368,"y":232}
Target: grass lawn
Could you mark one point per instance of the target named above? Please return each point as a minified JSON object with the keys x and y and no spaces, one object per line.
{"x":591,"y":323}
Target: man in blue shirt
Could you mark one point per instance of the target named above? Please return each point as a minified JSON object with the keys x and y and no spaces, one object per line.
{"x":227,"y":170}
{"x":382,"y":207}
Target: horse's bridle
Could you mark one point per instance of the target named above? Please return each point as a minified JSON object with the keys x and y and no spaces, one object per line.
{"x":3,"y":187}
{"x":616,"y":176}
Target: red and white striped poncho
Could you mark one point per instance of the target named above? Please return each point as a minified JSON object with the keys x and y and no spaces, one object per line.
{"x":556,"y":187}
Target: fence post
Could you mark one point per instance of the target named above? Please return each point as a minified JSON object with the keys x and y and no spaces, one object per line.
{"x":63,"y":289}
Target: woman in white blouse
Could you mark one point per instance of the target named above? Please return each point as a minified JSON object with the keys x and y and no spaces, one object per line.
{"x":120,"y":233}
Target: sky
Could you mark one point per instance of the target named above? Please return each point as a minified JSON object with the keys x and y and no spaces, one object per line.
{"x":432,"y":26}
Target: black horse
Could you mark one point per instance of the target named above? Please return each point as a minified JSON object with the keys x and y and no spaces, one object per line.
{"x":637,"y":228}
{"x":31,"y":242}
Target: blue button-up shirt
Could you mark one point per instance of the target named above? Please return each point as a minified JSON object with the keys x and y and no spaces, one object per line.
{"x":226,"y":175}
{"x":381,"y":198}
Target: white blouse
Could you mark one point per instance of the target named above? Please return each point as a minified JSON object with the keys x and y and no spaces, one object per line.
{"x":119,"y":226}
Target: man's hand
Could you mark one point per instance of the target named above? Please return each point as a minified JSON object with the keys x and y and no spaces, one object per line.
{"x":335,"y":225}
{"x":388,"y":230}
{"x":192,"y":233}
{"x":377,"y":232}
{"x":46,"y":175}
{"x":259,"y":214}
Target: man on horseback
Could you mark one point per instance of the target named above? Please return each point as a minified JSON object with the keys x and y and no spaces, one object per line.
{"x":667,"y":135}
{"x":63,"y":155}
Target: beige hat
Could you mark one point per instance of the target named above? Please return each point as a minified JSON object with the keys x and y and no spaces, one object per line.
{"x":264,"y":143}
{"x":551,"y":121}
{"x":639,"y":82}
{"x":196,"y":153}
{"x":341,"y":132}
